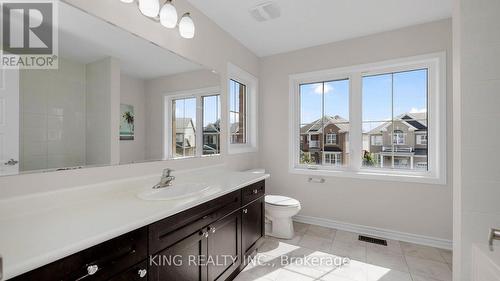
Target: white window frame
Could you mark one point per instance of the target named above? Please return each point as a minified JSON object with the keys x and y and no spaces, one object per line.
{"x":252,"y":85}
{"x":337,"y":156}
{"x":436,"y":174}
{"x":331,"y":138}
{"x":421,"y":139}
{"x":399,"y":138}
{"x":168,"y":98}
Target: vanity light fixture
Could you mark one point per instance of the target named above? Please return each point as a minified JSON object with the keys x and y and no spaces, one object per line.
{"x":149,"y":8}
{"x":166,"y":16}
{"x":186,"y":26}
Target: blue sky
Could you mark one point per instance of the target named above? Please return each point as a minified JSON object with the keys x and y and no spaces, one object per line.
{"x":409,"y":95}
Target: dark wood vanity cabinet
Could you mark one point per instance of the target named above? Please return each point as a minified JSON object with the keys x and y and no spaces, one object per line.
{"x":224,"y":247}
{"x":208,"y":242}
{"x":252,"y":224}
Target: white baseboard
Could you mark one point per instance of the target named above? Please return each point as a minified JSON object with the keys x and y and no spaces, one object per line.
{"x":377,"y":232}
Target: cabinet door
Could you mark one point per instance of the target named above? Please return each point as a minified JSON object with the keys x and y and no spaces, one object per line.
{"x":181,"y":261}
{"x":252,"y":224}
{"x":224,"y":247}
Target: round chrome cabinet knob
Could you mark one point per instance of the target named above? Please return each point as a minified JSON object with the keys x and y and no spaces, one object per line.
{"x":142,"y":273}
{"x":92,"y":269}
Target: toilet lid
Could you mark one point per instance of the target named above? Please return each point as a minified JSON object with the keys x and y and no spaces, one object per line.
{"x":278,"y":200}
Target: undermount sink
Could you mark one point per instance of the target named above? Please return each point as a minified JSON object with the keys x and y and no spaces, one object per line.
{"x":173,"y":192}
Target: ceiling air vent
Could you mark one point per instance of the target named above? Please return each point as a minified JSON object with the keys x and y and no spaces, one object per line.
{"x":265,"y":11}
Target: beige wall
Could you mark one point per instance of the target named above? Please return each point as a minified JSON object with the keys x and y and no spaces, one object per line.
{"x":211,"y":47}
{"x":477,"y":80}
{"x":421,"y":209}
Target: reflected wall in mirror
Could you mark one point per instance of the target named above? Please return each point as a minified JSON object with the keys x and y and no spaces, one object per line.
{"x":70,"y":117}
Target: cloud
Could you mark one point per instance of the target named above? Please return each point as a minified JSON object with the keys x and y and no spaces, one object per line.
{"x":318,"y":89}
{"x":416,"y":110}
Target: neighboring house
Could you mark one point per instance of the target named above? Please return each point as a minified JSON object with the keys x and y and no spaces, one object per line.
{"x":211,"y":138}
{"x":325,"y":141}
{"x":237,"y":133}
{"x":185,"y":137}
{"x":401,"y":143}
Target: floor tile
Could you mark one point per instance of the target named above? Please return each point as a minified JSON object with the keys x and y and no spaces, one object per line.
{"x":420,"y":251}
{"x":299,"y":227}
{"x":351,"y":250}
{"x":317,"y":253}
{"x":347,"y":237}
{"x":378,"y":273}
{"x":320,"y":231}
{"x":393,"y":246}
{"x":289,"y":275}
{"x":429,"y":268}
{"x":294,"y":241}
{"x":354,"y":270}
{"x":316,"y":243}
{"x":274,"y":247}
{"x":389,"y":261}
{"x":447,"y":255}
{"x":247,"y":276}
{"x":422,"y":278}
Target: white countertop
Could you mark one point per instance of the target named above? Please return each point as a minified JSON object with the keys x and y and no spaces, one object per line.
{"x":38,"y":229}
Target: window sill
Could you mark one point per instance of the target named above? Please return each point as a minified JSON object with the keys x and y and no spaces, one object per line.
{"x":370,"y":174}
{"x":241,"y":148}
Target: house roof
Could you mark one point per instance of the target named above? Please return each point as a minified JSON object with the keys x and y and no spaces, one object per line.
{"x":183,"y":123}
{"x":416,"y":121}
{"x":318,"y":125}
{"x":212,"y":127}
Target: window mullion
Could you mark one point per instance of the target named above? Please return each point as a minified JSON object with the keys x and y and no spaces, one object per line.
{"x":199,"y":126}
{"x":355,"y":120}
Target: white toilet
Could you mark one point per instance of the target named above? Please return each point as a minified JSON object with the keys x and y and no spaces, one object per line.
{"x":279,"y":213}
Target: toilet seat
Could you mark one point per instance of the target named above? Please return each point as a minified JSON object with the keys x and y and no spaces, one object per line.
{"x":281,"y":201}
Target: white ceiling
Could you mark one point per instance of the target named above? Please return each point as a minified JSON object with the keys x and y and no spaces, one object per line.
{"x":309,"y":23}
{"x":85,"y":38}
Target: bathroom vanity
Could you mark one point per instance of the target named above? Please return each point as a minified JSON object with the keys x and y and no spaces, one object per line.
{"x":207,"y":240}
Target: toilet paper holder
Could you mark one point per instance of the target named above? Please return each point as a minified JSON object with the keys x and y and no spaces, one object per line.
{"x":316,"y":180}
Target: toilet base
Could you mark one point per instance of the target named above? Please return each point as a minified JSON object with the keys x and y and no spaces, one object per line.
{"x":282,"y":228}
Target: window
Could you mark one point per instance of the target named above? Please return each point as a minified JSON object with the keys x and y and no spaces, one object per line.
{"x":242,"y":109}
{"x":331,"y":138}
{"x":376,"y":140}
{"x":237,"y":111}
{"x":395,"y":104}
{"x":184,"y":127}
{"x":192,"y":123}
{"x":387,"y":119}
{"x":211,"y":125}
{"x":398,"y":137}
{"x":332,"y":158}
{"x":324,"y":109}
{"x":421,"y":139}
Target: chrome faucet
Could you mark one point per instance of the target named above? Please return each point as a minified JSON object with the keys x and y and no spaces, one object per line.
{"x":166,"y":179}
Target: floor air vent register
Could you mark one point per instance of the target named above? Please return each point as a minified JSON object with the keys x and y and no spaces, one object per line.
{"x":373,"y":240}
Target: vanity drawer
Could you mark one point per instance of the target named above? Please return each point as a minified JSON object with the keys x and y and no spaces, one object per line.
{"x":100,"y":262}
{"x":169,"y":231}
{"x":138,"y":272}
{"x":253,"y":192}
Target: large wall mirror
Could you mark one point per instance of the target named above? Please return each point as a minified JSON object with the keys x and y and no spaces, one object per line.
{"x":114,"y":99}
